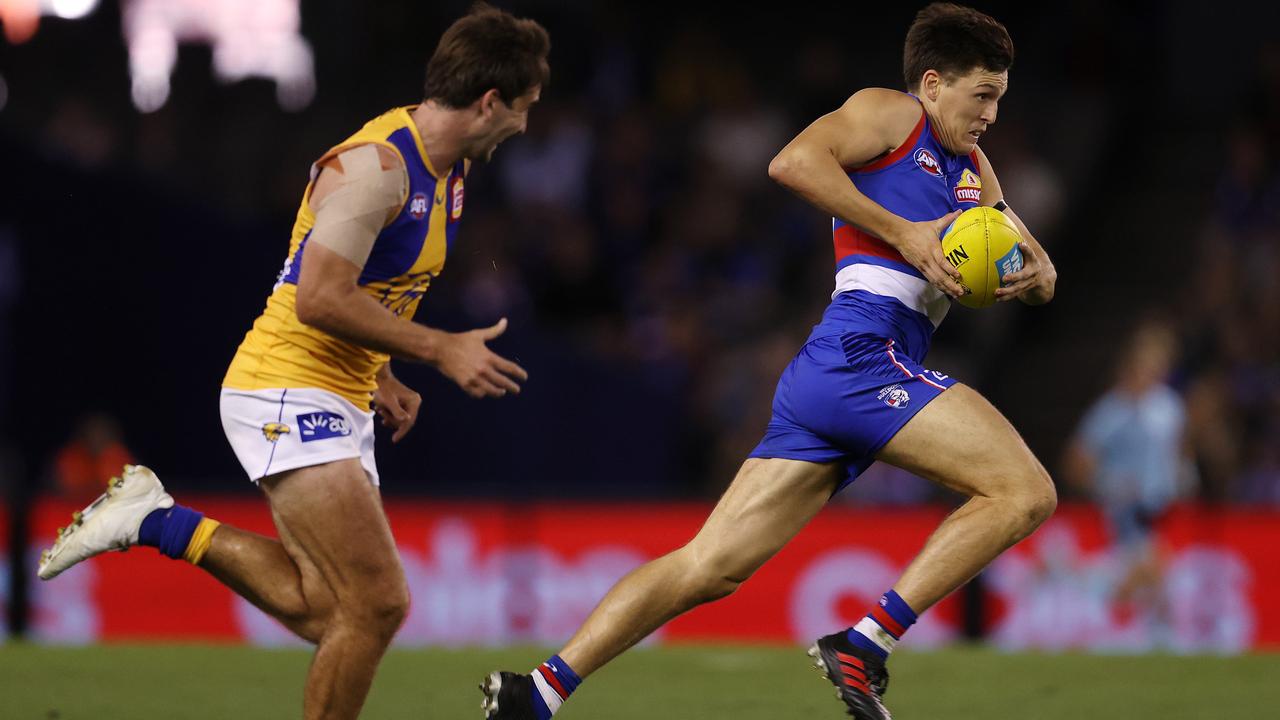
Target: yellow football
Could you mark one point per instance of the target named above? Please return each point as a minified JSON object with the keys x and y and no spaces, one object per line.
{"x":983,"y":245}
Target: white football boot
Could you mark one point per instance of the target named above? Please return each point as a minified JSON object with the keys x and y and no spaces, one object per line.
{"x":109,"y":523}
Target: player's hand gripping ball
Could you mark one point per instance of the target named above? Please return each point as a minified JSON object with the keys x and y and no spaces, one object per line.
{"x":983,"y":245}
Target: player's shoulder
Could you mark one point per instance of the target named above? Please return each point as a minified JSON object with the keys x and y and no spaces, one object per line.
{"x":885,"y":105}
{"x":388,"y":157}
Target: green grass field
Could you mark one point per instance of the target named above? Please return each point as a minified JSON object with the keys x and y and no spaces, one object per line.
{"x":742,"y":683}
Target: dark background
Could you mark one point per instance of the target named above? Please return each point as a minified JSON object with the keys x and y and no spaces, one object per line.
{"x":655,"y":279}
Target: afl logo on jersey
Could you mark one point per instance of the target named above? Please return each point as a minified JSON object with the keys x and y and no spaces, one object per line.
{"x":456,"y":193}
{"x":418,"y":206}
{"x":928,"y":162}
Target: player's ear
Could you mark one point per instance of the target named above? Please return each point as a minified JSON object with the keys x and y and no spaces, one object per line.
{"x":931,"y":84}
{"x":489,"y":102}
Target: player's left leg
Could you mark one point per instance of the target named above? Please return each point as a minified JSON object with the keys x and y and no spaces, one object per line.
{"x":769,"y":501}
{"x":333,"y":517}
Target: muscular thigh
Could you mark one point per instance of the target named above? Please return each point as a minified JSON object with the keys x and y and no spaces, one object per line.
{"x":962,"y":442}
{"x":768,"y":502}
{"x":331,"y":522}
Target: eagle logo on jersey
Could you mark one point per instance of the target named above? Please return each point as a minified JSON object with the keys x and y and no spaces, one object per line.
{"x":273,"y":431}
{"x":928,"y":162}
{"x":969,"y":187}
{"x":418,"y":206}
{"x":457,"y":191}
{"x":895,"y":396}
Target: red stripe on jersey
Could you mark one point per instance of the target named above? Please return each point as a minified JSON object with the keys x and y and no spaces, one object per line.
{"x":900,"y":152}
{"x":553,"y":681}
{"x":887,"y":622}
{"x":849,"y":240}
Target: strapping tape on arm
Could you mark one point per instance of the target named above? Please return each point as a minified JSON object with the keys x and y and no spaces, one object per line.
{"x":349,"y":219}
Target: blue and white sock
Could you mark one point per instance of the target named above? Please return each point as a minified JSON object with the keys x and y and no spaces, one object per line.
{"x":554,"y":681}
{"x":884,"y":626}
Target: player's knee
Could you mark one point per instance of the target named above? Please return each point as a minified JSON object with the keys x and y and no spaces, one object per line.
{"x":379,"y":605}
{"x":1036,"y":502}
{"x":712,"y":578}
{"x":387,"y":613}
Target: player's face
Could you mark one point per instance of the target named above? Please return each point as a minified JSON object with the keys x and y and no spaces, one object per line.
{"x":966,"y":107}
{"x":504,"y":121}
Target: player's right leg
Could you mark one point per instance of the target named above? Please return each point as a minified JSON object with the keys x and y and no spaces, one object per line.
{"x":958,"y":440}
{"x":962,"y":442}
{"x":769,"y":501}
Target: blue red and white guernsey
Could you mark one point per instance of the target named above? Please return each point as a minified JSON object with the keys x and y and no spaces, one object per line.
{"x":858,"y":379}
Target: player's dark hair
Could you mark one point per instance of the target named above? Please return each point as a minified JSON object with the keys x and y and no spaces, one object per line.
{"x":485,"y":49}
{"x":954,"y":40}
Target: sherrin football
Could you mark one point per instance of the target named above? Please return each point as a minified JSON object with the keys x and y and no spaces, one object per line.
{"x":983,"y":245}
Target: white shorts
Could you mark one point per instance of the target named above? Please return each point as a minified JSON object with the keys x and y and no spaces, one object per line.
{"x":272,"y":431}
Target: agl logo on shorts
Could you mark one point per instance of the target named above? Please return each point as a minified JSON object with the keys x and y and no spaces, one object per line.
{"x":322,"y":426}
{"x":895,"y":396}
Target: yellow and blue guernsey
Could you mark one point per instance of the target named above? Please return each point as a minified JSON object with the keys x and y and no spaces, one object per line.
{"x":281,"y":352}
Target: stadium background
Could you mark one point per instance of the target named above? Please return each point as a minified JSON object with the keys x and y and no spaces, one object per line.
{"x":656,"y":283}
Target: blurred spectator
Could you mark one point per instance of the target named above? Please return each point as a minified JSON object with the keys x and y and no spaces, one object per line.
{"x":95,"y":453}
{"x":1129,"y":453}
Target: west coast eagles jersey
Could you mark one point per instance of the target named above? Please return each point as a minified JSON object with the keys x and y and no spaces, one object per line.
{"x":281,"y":352}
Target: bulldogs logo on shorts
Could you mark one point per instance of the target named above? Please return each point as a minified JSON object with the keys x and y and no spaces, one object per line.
{"x":895,"y":396}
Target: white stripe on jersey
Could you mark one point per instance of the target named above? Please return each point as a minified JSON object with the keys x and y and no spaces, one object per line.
{"x":916,"y":293}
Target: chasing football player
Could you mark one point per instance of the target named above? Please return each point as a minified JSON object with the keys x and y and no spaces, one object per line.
{"x":374,"y":228}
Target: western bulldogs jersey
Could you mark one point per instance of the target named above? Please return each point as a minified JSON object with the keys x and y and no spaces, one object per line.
{"x":919,"y":181}
{"x":858,"y":379}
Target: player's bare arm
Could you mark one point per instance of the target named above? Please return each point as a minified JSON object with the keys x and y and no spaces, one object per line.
{"x":1034,"y":284}
{"x":356,"y":194}
{"x":871,"y":124}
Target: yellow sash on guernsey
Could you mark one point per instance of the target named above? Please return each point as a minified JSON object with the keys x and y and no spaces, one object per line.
{"x":281,"y":352}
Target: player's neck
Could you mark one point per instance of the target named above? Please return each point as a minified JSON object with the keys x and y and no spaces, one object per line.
{"x":443,"y":131}
{"x":939,"y":131}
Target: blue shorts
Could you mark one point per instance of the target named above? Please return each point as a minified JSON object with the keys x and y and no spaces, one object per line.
{"x":842,"y":398}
